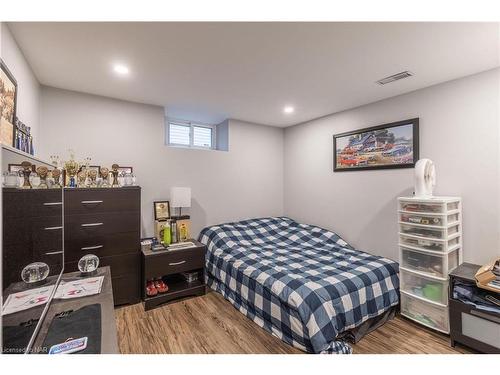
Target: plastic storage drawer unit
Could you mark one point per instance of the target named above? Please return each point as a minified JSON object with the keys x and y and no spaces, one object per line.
{"x":431,"y":289}
{"x":426,"y":313}
{"x":429,"y":262}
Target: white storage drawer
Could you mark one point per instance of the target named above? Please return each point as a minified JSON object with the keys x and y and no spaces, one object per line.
{"x":428,"y":244}
{"x":414,"y":206}
{"x":430,"y":263}
{"x":429,"y":219}
{"x":426,"y":231}
{"x":424,"y":286}
{"x":426,"y":313}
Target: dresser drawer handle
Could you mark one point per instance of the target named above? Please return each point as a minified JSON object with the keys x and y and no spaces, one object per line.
{"x":52,"y":203}
{"x":92,"y":247}
{"x":92,"y":224}
{"x":54,"y":252}
{"x":177,"y":263}
{"x":91,"y":202}
{"x":52,"y":228}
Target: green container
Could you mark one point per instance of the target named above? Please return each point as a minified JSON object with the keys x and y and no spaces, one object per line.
{"x":433,"y":291}
{"x":167,"y":235}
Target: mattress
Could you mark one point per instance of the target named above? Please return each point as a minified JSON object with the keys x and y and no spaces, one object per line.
{"x":302,"y":283}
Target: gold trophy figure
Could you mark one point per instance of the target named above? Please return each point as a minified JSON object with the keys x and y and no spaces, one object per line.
{"x":71,"y":167}
{"x":92,"y":177}
{"x":25,"y":173}
{"x":114,"y":172}
{"x":82,"y":178}
{"x":42,"y":172}
{"x":105,"y":176}
{"x":56,"y":175}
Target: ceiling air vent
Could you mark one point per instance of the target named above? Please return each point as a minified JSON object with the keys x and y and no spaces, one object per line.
{"x":395,"y":77}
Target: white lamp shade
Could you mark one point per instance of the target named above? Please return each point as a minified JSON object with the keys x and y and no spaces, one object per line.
{"x":180,"y":197}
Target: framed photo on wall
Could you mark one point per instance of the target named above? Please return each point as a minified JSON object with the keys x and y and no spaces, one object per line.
{"x":8,"y":106}
{"x":18,"y":167}
{"x":124,"y":170}
{"x":392,"y":145}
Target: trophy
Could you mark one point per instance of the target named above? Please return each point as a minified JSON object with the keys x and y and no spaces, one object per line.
{"x":105,"y":176}
{"x":56,"y":175}
{"x":42,"y":172}
{"x":82,"y":178}
{"x":114,"y":172}
{"x":54,"y":160}
{"x":93,"y":176}
{"x":25,"y":173}
{"x":71,"y":167}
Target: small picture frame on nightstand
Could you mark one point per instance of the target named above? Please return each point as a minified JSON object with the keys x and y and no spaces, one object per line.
{"x":162,"y":210}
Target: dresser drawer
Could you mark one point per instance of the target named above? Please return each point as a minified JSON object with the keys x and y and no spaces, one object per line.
{"x":167,"y":263}
{"x":16,"y":203}
{"x":46,"y":202}
{"x":90,"y":225}
{"x":102,"y":200}
{"x":46,"y":233}
{"x":126,"y":289}
{"x":17,"y":230}
{"x":14,"y":259}
{"x":49,"y":244}
{"x":102,"y":245}
{"x":121,"y":265}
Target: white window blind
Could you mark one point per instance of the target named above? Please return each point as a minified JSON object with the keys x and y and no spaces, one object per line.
{"x":183,"y":133}
{"x":179,"y":134}
{"x":202,"y":136}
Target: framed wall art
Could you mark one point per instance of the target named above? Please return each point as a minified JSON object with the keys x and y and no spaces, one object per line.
{"x":8,"y":106}
{"x":392,"y":145}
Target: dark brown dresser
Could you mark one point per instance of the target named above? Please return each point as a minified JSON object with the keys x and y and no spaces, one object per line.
{"x":104,"y":222}
{"x":32,"y":231}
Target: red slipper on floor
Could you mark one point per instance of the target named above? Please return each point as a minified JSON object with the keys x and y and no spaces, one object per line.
{"x":160,"y":286}
{"x":151,"y":291}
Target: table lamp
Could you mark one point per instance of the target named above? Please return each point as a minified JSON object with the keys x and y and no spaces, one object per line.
{"x":180,"y":197}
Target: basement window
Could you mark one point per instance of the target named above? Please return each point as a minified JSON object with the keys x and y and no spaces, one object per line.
{"x":188,"y":134}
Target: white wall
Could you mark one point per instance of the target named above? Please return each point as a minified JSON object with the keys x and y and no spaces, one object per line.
{"x":246,"y":181}
{"x":28,"y":88}
{"x":459,"y":123}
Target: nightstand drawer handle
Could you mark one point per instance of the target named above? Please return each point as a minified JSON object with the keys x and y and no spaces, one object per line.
{"x":91,"y":202}
{"x":92,"y":247}
{"x":177,"y":263}
{"x":52,"y":203}
{"x":92,"y":224}
{"x":52,"y":228}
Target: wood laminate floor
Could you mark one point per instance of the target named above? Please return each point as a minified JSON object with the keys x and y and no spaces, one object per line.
{"x":210,"y":324}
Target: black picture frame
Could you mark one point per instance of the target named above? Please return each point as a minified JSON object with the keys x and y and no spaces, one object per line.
{"x":18,"y":167}
{"x":10,"y":76}
{"x":366,"y":166}
{"x":155,"y":210}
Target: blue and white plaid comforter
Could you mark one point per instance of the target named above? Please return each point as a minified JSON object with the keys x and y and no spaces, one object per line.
{"x":302,"y":283}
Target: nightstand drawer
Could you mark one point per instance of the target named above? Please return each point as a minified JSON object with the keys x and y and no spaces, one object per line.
{"x":168,"y":263}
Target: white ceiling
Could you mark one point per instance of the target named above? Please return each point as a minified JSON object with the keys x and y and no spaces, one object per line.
{"x":250,"y":71}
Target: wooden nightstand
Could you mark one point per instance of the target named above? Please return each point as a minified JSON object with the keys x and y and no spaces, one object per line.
{"x":170,"y":264}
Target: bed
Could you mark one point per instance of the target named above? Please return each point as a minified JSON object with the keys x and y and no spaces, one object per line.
{"x":301,"y":283}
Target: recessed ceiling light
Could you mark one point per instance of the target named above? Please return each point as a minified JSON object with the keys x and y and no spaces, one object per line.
{"x":288,"y":109}
{"x":121,"y":69}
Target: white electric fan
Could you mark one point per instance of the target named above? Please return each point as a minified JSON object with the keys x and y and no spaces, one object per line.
{"x":425,"y":178}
